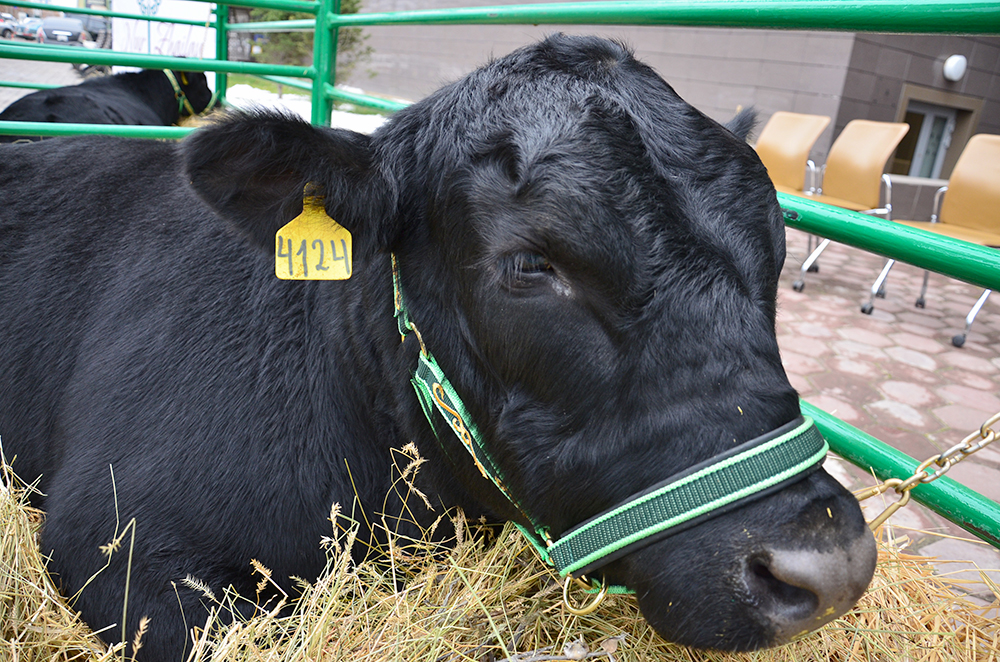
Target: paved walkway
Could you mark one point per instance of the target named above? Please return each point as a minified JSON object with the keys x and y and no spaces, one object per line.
{"x":26,"y":71}
{"x":896,"y":375}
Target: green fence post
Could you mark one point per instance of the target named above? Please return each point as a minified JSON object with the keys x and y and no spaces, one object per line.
{"x":221,"y":48}
{"x":324,"y":61}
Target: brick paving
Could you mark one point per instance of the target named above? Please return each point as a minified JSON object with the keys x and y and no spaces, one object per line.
{"x":896,"y":375}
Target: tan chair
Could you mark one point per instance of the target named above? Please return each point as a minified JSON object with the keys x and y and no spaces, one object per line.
{"x":970,"y":211}
{"x":853,"y":175}
{"x":784,"y":145}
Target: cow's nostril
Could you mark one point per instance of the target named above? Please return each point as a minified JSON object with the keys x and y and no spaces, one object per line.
{"x":777,"y":598}
{"x":801,"y":590}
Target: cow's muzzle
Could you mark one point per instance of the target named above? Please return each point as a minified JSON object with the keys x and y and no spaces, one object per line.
{"x":798,"y":591}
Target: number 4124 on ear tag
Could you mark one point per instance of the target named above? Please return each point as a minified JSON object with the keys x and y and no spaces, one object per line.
{"x":312,"y":246}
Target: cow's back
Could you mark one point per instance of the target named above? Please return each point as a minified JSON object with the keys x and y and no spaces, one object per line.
{"x":101,"y":104}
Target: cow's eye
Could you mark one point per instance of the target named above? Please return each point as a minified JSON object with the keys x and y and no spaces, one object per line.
{"x":531,"y":263}
{"x":525,"y":270}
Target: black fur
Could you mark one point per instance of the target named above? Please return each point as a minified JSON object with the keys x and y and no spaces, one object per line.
{"x":144,"y":97}
{"x":592,"y":261}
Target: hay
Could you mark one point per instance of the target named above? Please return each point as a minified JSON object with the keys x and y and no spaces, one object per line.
{"x":35,"y":621}
{"x":484,"y":599}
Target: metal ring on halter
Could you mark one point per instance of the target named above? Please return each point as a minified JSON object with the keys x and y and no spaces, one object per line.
{"x":589,"y":608}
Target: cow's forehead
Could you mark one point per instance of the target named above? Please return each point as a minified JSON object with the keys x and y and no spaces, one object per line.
{"x":566,"y":126}
{"x":546,"y":90}
{"x":591,"y":165}
{"x":562,"y":111}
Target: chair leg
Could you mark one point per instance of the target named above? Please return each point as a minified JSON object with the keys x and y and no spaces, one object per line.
{"x":813,"y":268}
{"x":959,"y":340}
{"x":801,"y":282}
{"x":876,"y":289}
{"x":921,"y":301}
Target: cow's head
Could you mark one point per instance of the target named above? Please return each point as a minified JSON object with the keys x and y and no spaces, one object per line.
{"x":194,"y":86}
{"x":594,"y":264}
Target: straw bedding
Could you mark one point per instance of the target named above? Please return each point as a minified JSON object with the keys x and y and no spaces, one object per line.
{"x":487,"y":597}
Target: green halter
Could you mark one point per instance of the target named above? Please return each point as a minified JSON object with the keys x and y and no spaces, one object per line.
{"x":745,"y":472}
{"x":182,"y":100}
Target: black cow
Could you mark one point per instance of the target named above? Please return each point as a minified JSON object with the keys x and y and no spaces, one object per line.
{"x":146,"y":97}
{"x":591,"y":260}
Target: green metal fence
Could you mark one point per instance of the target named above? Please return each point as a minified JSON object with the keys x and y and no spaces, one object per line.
{"x":956,"y":259}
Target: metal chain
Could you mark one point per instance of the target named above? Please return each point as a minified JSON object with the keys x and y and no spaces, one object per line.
{"x":942,"y":462}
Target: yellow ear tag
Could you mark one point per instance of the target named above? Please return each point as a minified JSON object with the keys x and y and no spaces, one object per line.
{"x":313,"y":246}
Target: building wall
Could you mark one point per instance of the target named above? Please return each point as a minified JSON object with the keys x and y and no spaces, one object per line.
{"x":886,"y":70}
{"x":881,"y":64}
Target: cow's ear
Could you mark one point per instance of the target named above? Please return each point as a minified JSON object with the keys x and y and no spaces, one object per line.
{"x":743,"y":124}
{"x":253,"y":169}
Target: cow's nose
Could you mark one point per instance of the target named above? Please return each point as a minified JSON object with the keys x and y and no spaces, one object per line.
{"x":801,"y":590}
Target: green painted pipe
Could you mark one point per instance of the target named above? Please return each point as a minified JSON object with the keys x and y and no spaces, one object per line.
{"x":298,"y":25}
{"x":27,"y":86}
{"x":69,"y":129}
{"x":920,"y":16}
{"x":290,"y":82}
{"x":325,"y":61}
{"x":968,"y":262}
{"x":101,"y":56}
{"x":221,"y":49}
{"x":364,"y":99}
{"x":948,"y":498}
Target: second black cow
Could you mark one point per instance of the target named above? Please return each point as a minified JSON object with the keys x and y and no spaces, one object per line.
{"x":147,"y":97}
{"x":591,"y":261}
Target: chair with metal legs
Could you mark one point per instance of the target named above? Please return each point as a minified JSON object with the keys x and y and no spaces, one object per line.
{"x":968,"y":208}
{"x":783,"y":147}
{"x":853,"y":175}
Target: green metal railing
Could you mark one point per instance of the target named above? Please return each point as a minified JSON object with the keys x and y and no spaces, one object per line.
{"x":949,"y":16}
{"x":973,"y":264}
{"x":945,"y":496}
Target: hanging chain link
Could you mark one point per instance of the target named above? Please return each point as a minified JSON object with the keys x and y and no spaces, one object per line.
{"x":941,"y":462}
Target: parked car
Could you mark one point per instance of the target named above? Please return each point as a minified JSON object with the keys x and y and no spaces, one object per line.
{"x":97,"y":27}
{"x":28,"y":28}
{"x":7,"y":26}
{"x":63,"y":31}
